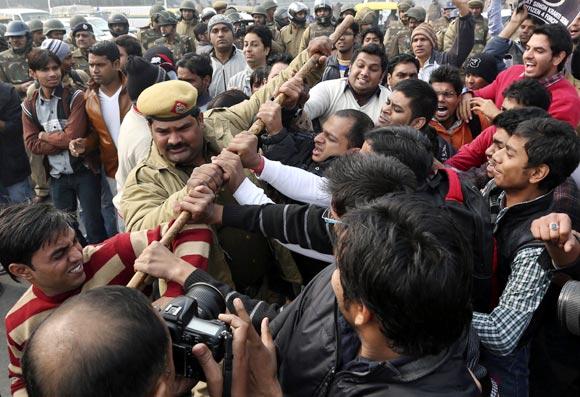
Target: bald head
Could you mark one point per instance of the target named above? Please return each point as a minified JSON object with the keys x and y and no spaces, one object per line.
{"x":94,"y":343}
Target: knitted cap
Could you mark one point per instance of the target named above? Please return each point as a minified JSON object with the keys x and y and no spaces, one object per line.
{"x":483,"y":65}
{"x":57,"y":47}
{"x":160,"y":56}
{"x":426,"y":30}
{"x":217,"y":19}
{"x":140,"y":75}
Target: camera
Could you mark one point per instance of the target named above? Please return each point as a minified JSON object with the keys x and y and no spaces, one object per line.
{"x":192,"y":319}
{"x":569,"y":307}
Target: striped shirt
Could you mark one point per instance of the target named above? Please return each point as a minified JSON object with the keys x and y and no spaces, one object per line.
{"x":109,"y":263}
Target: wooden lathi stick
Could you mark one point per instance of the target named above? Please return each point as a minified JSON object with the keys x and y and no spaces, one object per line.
{"x":308,"y":67}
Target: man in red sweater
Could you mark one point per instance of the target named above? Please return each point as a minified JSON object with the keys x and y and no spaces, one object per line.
{"x":37,"y":244}
{"x":544,"y":59}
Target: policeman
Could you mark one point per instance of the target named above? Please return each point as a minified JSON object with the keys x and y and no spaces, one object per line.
{"x":220,"y":6}
{"x":188,"y":19}
{"x":207,"y":13}
{"x":3,"y":42}
{"x":118,"y":25}
{"x":153,"y":187}
{"x":179,"y":45}
{"x":270,"y":7}
{"x":13,"y":63}
{"x":54,"y":29}
{"x":434,"y":11}
{"x":259,"y":15}
{"x":84,"y":38}
{"x":35,"y":27}
{"x":74,"y":21}
{"x":395,"y":27}
{"x":239,"y":29}
{"x":440,"y":25}
{"x":148,"y":34}
{"x":402,"y":43}
{"x":291,"y":35}
{"x":323,"y":25}
{"x":281,"y":17}
{"x":480,"y":30}
{"x":347,"y":10}
{"x":366,"y":18}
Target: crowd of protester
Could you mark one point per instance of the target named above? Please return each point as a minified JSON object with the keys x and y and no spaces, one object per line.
{"x":402,"y":225}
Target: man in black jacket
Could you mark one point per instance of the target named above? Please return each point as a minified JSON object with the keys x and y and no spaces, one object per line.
{"x":14,"y":165}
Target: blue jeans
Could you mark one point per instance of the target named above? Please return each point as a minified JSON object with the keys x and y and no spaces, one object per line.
{"x":86,"y":186}
{"x":107,"y":208}
{"x":19,"y":192}
{"x":510,"y":372}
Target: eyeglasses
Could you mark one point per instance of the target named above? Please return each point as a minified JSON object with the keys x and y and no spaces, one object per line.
{"x":326,"y":217}
{"x":447,"y":94}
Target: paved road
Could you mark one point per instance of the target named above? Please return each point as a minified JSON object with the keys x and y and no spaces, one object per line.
{"x":9,"y":294}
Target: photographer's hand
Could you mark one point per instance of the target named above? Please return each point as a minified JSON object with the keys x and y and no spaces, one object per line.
{"x":260,"y":352}
{"x":212,"y":370}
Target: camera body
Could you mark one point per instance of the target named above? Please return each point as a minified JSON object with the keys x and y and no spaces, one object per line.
{"x":192,"y":319}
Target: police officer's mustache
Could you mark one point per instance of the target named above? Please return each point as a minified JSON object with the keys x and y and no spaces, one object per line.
{"x":175,"y":147}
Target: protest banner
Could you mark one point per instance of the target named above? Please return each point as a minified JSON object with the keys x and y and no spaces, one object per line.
{"x":553,"y":11}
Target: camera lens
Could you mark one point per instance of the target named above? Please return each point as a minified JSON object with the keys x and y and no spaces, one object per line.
{"x":569,"y":307}
{"x":210,"y":301}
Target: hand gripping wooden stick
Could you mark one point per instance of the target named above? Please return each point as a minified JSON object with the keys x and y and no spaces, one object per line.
{"x":139,"y":278}
{"x":308,"y":67}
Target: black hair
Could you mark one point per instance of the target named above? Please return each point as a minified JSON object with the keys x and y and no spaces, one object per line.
{"x":283,"y":57}
{"x":529,"y":92}
{"x":373,"y":49}
{"x":407,"y":145}
{"x":226,"y":99}
{"x":259,"y":76}
{"x":131,"y":45}
{"x":106,"y":48}
{"x":24,"y":229}
{"x":422,"y":96}
{"x":196,"y":63}
{"x":404,"y":259}
{"x":354,"y":26}
{"x":559,"y":38}
{"x":374,"y":30}
{"x":264,"y":33}
{"x":402,"y":58}
{"x":510,"y":119}
{"x":39,"y":59}
{"x":448,"y":74}
{"x":356,"y":179}
{"x":130,"y":341}
{"x":199,"y":29}
{"x":551,"y":142}
{"x":361,"y":123}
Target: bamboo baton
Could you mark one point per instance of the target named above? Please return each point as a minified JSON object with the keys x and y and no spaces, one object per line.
{"x":308,"y":67}
{"x":139,"y":279}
